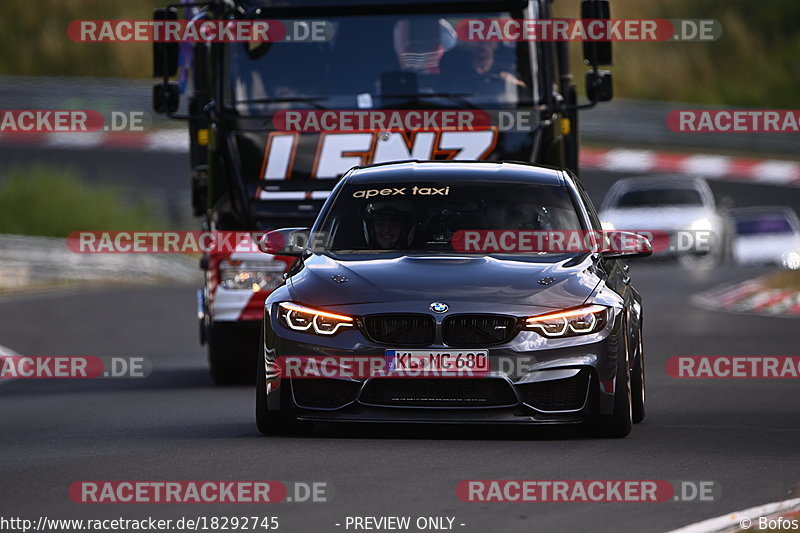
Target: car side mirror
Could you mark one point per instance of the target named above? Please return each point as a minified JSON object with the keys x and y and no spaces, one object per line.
{"x":727,"y":203}
{"x":291,"y":242}
{"x":625,"y":244}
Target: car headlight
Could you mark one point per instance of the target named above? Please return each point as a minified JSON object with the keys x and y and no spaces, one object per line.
{"x":301,"y":318}
{"x":571,"y":322}
{"x":791,"y":260}
{"x":251,"y":275}
{"x":701,"y":224}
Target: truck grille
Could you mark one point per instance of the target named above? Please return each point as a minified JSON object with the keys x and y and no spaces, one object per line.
{"x":438,"y":392}
{"x":401,"y":330}
{"x":478,"y":330}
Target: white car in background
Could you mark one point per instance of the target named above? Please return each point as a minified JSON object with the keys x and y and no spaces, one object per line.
{"x":767,"y":235}
{"x":680,"y":211}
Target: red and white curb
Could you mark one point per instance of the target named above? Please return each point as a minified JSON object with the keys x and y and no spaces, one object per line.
{"x":740,"y":520}
{"x":168,"y":140}
{"x":751,"y":297}
{"x":767,"y":171}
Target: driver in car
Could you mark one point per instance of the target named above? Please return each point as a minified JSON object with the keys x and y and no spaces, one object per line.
{"x":386,"y":228}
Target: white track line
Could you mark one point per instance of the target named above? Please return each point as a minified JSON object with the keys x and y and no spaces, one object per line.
{"x":734,"y":519}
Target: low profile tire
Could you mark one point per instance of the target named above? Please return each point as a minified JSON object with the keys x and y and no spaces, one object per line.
{"x":231,"y":354}
{"x":270,"y":422}
{"x":638,"y":385}
{"x":619,"y":424}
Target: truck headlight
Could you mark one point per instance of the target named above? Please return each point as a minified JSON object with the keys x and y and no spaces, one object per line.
{"x":570,"y":322}
{"x":251,"y":275}
{"x":302,"y":318}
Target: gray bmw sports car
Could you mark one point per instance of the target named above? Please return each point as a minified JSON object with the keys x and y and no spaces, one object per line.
{"x":421,"y":294}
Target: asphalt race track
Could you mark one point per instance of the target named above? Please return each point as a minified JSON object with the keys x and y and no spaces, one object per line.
{"x":174,"y":425}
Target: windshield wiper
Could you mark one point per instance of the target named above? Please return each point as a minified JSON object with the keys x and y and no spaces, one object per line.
{"x":310,"y":100}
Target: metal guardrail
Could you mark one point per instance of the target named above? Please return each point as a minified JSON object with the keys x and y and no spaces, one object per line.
{"x":643,"y":123}
{"x":30,"y":261}
{"x":99,"y":94}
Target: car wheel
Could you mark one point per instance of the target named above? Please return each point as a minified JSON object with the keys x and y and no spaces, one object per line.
{"x":271,"y":422}
{"x":638,"y":384}
{"x":620,"y":423}
{"x":231,"y":352}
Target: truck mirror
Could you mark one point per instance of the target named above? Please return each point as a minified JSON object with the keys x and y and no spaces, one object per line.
{"x":596,"y":53}
{"x":165,"y":97}
{"x":165,"y":55}
{"x":599,"y":86}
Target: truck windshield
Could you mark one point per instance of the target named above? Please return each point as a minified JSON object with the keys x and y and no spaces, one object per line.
{"x":383,"y":62}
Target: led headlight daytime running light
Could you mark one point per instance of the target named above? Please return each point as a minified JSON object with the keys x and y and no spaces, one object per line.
{"x":570,"y":322}
{"x":301,"y":318}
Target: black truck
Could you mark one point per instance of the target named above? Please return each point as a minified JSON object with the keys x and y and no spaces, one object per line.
{"x":248,"y":174}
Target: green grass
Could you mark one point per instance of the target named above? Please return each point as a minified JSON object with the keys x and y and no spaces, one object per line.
{"x":754,"y":63}
{"x":34,"y":41}
{"x":53,"y":202}
{"x":786,"y":280}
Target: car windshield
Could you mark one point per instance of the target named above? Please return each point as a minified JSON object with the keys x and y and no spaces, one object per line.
{"x":772,"y":224}
{"x":661,"y":197}
{"x":423,"y":217}
{"x":382,"y":62}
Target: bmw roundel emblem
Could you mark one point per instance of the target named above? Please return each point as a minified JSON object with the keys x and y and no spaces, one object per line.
{"x":439,"y":307}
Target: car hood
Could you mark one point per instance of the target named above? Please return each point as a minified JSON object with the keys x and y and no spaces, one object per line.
{"x":485,"y":280}
{"x":656,"y":218}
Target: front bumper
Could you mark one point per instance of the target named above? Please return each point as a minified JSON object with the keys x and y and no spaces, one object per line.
{"x":532,"y":380}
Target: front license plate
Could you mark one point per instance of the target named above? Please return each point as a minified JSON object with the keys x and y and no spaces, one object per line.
{"x":437,"y":361}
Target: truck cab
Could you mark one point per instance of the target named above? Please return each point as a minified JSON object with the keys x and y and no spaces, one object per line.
{"x":248,"y":173}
